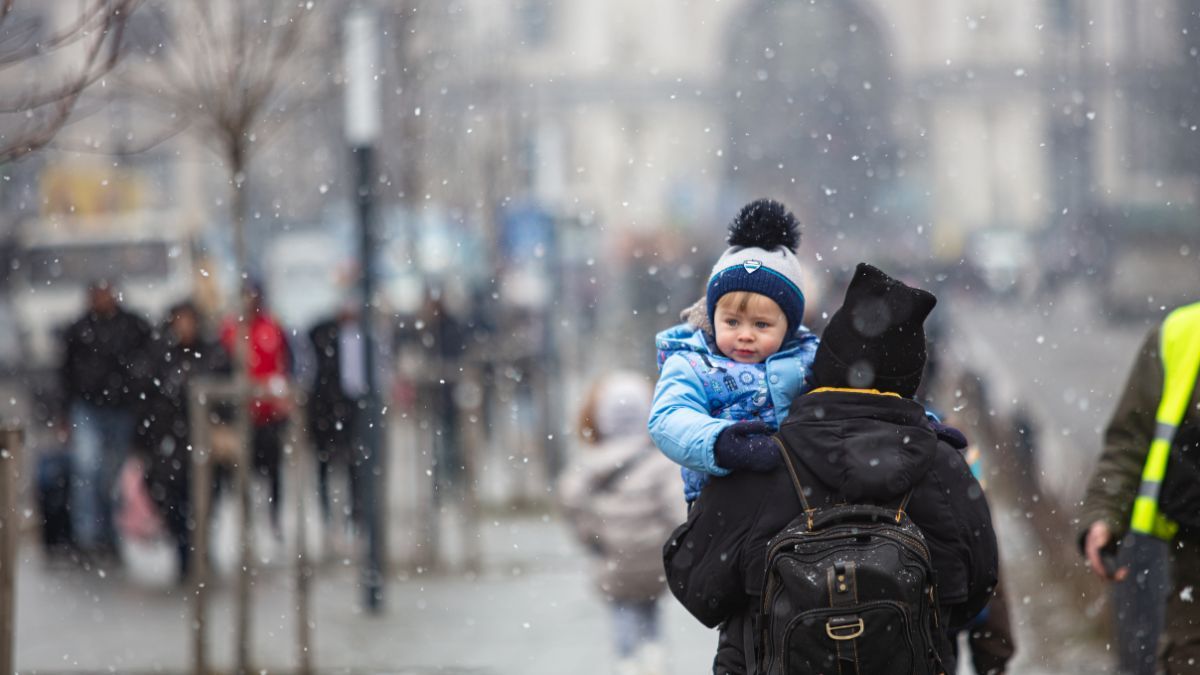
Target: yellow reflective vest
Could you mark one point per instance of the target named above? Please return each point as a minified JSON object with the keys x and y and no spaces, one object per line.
{"x":1180,"y":351}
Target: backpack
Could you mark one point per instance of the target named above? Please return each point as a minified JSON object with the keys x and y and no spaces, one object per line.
{"x":849,"y":589}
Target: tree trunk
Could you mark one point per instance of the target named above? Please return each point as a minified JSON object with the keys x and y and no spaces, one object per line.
{"x":240,"y":356}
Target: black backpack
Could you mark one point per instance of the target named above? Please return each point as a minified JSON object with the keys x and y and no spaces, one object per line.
{"x":849,"y":590}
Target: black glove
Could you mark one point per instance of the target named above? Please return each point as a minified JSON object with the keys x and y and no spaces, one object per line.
{"x":747,"y":445}
{"x":948,"y":434}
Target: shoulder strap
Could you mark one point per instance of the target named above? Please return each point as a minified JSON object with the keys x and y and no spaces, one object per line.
{"x":809,"y":511}
{"x":750,"y":644}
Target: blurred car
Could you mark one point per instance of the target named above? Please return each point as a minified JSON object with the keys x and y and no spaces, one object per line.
{"x":1003,"y":260}
{"x":1149,"y":263}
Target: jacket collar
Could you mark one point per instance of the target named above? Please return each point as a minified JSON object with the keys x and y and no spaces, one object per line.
{"x":865,"y":447}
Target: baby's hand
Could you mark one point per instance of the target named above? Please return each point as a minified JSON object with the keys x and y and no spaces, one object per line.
{"x":747,"y":445}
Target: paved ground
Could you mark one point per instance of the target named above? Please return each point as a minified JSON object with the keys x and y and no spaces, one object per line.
{"x":531,"y":609}
{"x":1061,"y":361}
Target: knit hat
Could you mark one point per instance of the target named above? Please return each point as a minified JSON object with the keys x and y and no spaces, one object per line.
{"x":876,"y":339}
{"x":761,"y":259}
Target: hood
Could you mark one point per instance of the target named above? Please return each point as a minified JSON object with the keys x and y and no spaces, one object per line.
{"x":681,"y":338}
{"x":693,"y":335}
{"x":697,"y":317}
{"x":620,"y":405}
{"x":862,"y":446}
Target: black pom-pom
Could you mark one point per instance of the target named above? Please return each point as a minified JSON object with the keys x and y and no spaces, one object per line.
{"x":766,"y":224}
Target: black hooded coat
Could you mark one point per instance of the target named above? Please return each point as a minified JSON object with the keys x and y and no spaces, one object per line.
{"x":849,"y":447}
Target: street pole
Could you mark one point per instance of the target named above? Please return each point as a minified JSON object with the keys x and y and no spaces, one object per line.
{"x":12,"y":458}
{"x":362,"y":131}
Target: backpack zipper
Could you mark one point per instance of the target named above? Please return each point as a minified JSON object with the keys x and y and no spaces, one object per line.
{"x":919,"y":545}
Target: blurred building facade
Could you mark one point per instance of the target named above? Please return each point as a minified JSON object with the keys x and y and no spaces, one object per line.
{"x":907,"y":126}
{"x":930,"y":120}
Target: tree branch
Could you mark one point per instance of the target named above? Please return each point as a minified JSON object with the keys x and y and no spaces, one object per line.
{"x":143,"y":146}
{"x":113,"y":16}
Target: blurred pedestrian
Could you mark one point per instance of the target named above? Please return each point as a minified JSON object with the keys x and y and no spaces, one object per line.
{"x":990,"y":635}
{"x":728,"y":375}
{"x":1147,"y":480}
{"x":180,"y":352}
{"x":268,"y":363}
{"x":102,"y":354}
{"x":621,"y":500}
{"x":856,"y":438}
{"x":335,"y":404}
{"x":443,"y":338}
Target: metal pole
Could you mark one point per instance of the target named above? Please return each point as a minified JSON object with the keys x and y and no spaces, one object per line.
{"x":372,"y":573}
{"x":425,"y":555}
{"x":471,"y":426}
{"x":202,"y":500}
{"x":363,"y":124}
{"x":301,"y":469}
{"x":245,"y":542}
{"x":9,"y":525}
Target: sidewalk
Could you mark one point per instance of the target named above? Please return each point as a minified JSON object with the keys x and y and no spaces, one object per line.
{"x":1053,"y":360}
{"x":531,"y":611}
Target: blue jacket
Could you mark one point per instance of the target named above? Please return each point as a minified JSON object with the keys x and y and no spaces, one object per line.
{"x":700,"y":393}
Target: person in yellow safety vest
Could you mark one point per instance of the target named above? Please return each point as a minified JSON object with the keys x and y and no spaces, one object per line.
{"x":1147,"y":479}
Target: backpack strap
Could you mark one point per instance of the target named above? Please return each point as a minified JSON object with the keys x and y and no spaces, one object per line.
{"x":809,"y":511}
{"x":903,"y":505}
{"x":750,"y":644}
{"x":842,"y":580}
{"x":844,"y":629}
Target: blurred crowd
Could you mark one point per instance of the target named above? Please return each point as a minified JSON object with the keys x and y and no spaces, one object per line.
{"x":119,"y":461}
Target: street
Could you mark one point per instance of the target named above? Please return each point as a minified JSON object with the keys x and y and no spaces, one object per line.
{"x":1058,"y":359}
{"x":532,"y":609}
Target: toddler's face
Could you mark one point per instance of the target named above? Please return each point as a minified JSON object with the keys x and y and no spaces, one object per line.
{"x":749,"y":330}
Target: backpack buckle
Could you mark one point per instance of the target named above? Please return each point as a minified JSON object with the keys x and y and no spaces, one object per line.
{"x":843,"y":628}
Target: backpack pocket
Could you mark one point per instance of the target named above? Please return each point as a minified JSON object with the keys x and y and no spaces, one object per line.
{"x":872,"y":638}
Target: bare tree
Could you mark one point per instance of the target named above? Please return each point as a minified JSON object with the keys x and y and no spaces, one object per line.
{"x":234,"y":73}
{"x":88,"y":47}
{"x":412,"y":44}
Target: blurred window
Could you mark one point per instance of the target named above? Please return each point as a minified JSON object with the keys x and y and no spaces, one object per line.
{"x":534,"y":18}
{"x":81,"y":264}
{"x":1062,"y":12}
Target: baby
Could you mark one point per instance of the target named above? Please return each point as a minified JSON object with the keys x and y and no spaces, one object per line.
{"x":728,"y":375}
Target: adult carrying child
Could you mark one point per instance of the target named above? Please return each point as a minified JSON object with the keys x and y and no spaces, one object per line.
{"x":917,"y":555}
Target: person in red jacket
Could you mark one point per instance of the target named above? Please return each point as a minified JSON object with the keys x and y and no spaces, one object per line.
{"x":268,"y":361}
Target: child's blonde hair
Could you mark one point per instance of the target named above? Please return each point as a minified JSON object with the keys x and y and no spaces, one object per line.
{"x":740,"y":301}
